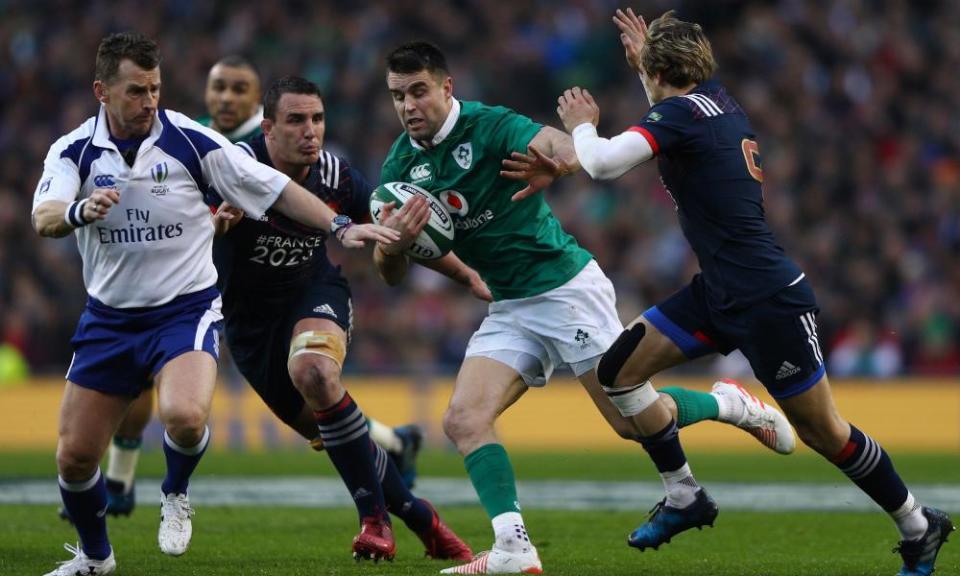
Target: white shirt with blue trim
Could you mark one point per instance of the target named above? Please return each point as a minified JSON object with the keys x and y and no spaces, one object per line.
{"x":156,"y":244}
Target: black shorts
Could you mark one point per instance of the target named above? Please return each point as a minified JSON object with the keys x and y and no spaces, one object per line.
{"x":259,"y":330}
{"x":777,"y":335}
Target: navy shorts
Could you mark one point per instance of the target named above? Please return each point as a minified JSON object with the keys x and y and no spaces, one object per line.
{"x":259,"y":330}
{"x":777,"y":335}
{"x":120,"y":350}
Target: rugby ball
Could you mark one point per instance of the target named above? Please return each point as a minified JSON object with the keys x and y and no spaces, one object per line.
{"x":436,"y":239}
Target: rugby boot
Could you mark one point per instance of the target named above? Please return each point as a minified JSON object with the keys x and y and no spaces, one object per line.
{"x":920,"y":555}
{"x":760,"y":420}
{"x":441,"y":542}
{"x":412,"y":437}
{"x":666,"y":521}
{"x":81,"y":564}
{"x":375,"y":540}
{"x":176,"y":524}
{"x":497,"y":561}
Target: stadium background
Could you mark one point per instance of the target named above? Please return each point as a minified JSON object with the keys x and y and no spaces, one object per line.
{"x":855,"y":103}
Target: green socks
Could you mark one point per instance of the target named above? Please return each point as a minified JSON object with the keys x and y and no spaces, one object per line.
{"x":492,"y":477}
{"x":692,"y":406}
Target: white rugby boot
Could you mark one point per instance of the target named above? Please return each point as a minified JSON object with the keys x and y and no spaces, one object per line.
{"x":81,"y":564}
{"x":176,"y":526}
{"x":496,"y":561}
{"x":746,"y":411}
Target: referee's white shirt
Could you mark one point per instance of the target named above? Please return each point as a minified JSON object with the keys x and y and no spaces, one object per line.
{"x":156,"y":243}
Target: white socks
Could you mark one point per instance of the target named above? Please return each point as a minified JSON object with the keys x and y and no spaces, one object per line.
{"x":511,"y":534}
{"x":122,"y":464}
{"x":680,"y":486}
{"x":910,"y":520}
{"x":385,"y":436}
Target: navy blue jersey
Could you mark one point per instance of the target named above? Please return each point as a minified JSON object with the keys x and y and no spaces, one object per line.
{"x":710,"y":164}
{"x":274,"y":253}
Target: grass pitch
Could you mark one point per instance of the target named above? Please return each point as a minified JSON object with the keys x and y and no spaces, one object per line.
{"x":302,"y":541}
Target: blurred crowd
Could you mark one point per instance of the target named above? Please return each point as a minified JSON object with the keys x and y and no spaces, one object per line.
{"x":855,"y":104}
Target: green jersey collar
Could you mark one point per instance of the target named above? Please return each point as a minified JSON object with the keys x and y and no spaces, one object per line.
{"x":247,"y":127}
{"x":444,"y":130}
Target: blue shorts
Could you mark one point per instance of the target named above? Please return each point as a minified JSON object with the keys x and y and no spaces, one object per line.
{"x":259,"y":329}
{"x":777,"y":335}
{"x":120,"y":350}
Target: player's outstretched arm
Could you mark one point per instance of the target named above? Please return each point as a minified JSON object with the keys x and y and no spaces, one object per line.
{"x":297,"y":203}
{"x":601,"y":158}
{"x":550,"y":156}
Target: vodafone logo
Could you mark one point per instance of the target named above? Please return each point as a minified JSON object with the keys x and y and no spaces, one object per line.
{"x":455,"y":202}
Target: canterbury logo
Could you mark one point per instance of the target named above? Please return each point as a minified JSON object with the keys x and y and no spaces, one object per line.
{"x":104,"y":181}
{"x":420,"y":172}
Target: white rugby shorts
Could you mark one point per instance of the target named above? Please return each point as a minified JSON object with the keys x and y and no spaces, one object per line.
{"x":571,"y":325}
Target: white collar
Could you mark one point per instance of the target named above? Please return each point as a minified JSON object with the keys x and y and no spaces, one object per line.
{"x":251,"y":123}
{"x":444,"y":130}
{"x":101,"y":136}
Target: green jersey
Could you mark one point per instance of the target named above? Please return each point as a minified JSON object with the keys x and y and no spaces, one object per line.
{"x":518,"y":248}
{"x":244,"y":132}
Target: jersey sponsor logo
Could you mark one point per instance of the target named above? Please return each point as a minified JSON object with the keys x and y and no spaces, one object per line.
{"x":787,"y":370}
{"x":138,"y":230}
{"x":455,"y":202}
{"x":463,"y":154}
{"x":420,"y":173}
{"x":472,"y":223}
{"x":654,"y":116}
{"x":159,"y":173}
{"x":104,"y":181}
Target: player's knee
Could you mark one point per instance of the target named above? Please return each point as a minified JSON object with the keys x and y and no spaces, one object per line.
{"x":186,"y":424}
{"x":76,"y":465}
{"x":316,"y":376}
{"x":823,"y":438}
{"x":460,"y":423}
{"x":611,"y":371}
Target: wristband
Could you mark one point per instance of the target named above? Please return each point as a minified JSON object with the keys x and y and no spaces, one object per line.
{"x":73,"y":215}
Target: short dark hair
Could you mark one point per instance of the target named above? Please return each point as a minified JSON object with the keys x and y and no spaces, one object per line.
{"x":134,"y":46}
{"x":413,"y":57}
{"x":287,"y":85}
{"x":236,"y":61}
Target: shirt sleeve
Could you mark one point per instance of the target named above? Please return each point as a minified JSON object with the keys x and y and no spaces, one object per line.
{"x":60,"y":180}
{"x":513,"y":131}
{"x":665,"y":126}
{"x":238,"y":178}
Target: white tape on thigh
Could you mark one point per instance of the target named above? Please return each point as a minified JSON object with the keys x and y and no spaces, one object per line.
{"x":634,"y":400}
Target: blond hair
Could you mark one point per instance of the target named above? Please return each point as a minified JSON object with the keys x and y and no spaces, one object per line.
{"x":678,"y":51}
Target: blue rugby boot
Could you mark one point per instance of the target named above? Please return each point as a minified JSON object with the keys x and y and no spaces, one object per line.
{"x":920,"y":555}
{"x":120,"y":502}
{"x":412,"y":437}
{"x":666,"y":521}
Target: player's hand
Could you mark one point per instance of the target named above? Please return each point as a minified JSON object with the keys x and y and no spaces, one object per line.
{"x":409,"y":221}
{"x":356,"y":235}
{"x":633,"y":35}
{"x":479,"y":288}
{"x":99,"y":203}
{"x":575,"y":107}
{"x":535,"y":168}
{"x":225,"y":218}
